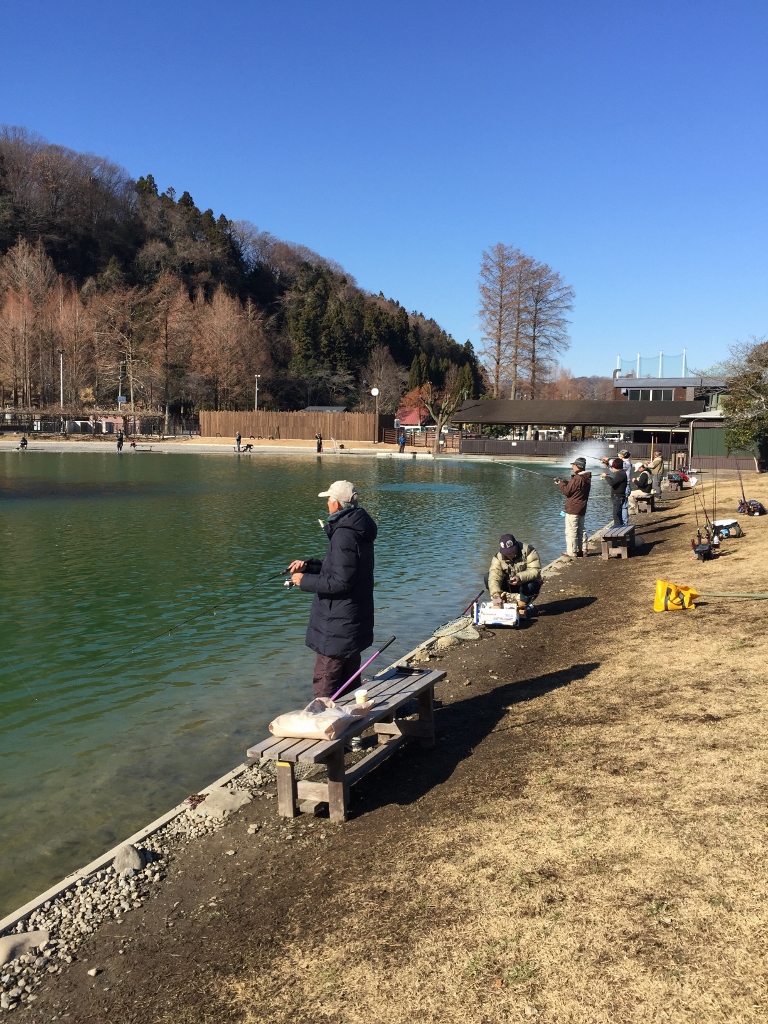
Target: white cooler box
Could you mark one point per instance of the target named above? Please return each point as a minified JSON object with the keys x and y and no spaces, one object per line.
{"x":487,"y":614}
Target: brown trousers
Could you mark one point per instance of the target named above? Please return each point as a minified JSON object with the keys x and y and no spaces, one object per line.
{"x":330,"y":673}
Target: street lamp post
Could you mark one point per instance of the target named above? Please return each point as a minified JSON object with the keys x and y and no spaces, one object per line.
{"x":256,"y":393}
{"x":375,"y":393}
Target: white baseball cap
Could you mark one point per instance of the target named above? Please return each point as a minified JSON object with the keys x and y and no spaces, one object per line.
{"x":342,"y":491}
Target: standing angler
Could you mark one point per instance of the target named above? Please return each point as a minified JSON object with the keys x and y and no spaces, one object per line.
{"x":341,"y":618}
{"x":576,"y":491}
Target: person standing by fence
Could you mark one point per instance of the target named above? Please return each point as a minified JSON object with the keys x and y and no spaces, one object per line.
{"x":319,"y":442}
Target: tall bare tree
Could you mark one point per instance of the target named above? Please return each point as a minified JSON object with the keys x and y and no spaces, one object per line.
{"x":26,"y":278}
{"x":548,"y":301}
{"x":497,"y":277}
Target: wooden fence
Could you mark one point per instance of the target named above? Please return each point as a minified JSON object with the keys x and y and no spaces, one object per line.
{"x":424,"y":439}
{"x":298,"y":426}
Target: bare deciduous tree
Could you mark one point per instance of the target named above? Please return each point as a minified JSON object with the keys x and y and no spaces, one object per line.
{"x":498,"y":308}
{"x":381,"y":371}
{"x":549,"y":299}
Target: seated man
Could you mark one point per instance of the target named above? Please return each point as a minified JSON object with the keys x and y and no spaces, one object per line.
{"x":515,"y":573}
{"x":642,"y":486}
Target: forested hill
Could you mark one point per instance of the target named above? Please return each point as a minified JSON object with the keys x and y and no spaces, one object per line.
{"x":190,"y":305}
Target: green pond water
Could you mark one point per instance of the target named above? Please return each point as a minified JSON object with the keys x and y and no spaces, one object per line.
{"x":99,"y":552}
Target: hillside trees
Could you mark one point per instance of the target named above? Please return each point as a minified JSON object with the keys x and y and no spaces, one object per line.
{"x":184,"y":306}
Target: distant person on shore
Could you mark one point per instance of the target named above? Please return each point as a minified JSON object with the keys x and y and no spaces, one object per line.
{"x":642,"y":486}
{"x":515,"y":572}
{"x":119,"y":440}
{"x":401,"y":442}
{"x":238,"y":439}
{"x":617,"y":481}
{"x":656,"y":469}
{"x":23,"y":444}
{"x":319,"y":441}
{"x":341,"y":618}
{"x":576,"y":491}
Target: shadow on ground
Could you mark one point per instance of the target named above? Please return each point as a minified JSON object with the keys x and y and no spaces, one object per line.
{"x":460,"y":727}
{"x":568,"y":604}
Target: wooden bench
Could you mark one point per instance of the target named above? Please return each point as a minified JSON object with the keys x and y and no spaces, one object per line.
{"x":674,"y":485}
{"x":390,"y":691}
{"x":646,"y":504}
{"x":618,"y":541}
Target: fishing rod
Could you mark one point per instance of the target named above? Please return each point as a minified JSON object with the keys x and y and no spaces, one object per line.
{"x":193,"y":618}
{"x":741,"y":483}
{"x":363,"y":667}
{"x":473,"y":601}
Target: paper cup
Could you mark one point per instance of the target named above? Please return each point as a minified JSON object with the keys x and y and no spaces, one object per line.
{"x":361,"y":696}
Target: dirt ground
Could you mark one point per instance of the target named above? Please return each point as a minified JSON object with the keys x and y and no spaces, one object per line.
{"x":585,"y":844}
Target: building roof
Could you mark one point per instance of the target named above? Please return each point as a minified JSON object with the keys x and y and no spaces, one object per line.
{"x":638,"y":415}
{"x":711,"y":414}
{"x":668,"y":382}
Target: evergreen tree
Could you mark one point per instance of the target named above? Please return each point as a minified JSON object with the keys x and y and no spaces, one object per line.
{"x":414,"y":377}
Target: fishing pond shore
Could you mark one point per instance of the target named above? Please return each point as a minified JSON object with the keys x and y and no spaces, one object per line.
{"x":586,"y":842}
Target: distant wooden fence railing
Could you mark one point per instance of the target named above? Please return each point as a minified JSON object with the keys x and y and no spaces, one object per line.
{"x":297,"y":426}
{"x":423,"y":439}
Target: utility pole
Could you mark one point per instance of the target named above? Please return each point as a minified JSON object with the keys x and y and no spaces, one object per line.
{"x":61,"y":376}
{"x":375,"y":393}
{"x":256,"y":393}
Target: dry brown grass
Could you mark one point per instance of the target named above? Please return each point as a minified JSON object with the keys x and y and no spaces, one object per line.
{"x":625,"y":881}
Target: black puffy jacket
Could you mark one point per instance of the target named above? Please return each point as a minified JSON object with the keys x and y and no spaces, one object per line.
{"x":341,"y":619}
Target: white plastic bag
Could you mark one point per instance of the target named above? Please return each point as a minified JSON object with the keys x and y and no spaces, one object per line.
{"x":320,"y":720}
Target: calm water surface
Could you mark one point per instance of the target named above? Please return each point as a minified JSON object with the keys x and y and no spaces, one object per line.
{"x":99,"y":552}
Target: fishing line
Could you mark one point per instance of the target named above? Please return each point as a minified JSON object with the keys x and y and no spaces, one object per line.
{"x":192,"y":618}
{"x":18,"y":675}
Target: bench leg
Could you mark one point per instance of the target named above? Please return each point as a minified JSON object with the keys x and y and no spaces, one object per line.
{"x":605,"y":552}
{"x":338,"y":791}
{"x":286,"y":790}
{"x":382,"y":737}
{"x":427,"y":716}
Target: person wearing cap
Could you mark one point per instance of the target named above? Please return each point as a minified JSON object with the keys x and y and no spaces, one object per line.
{"x":576,"y":491}
{"x":515,"y":571}
{"x":341,"y":617}
{"x":656,"y":469}
{"x":642,"y":486}
{"x":617,"y":481}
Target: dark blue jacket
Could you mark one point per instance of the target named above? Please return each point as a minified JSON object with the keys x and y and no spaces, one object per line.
{"x":341,"y":618}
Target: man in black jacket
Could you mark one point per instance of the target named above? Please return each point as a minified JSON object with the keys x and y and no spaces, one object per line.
{"x":617,"y":481}
{"x":341,"y":618}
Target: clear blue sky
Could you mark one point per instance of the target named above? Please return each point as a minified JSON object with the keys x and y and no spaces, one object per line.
{"x":622,"y":142}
